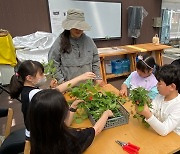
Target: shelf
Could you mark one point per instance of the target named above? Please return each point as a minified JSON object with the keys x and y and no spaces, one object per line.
{"x":132,"y":51}
{"x":109,"y":76}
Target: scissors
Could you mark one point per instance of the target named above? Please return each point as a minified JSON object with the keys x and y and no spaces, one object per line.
{"x":128,"y":147}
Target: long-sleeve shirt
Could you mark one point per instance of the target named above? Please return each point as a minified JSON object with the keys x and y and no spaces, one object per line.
{"x":166,"y":115}
{"x":82,"y":58}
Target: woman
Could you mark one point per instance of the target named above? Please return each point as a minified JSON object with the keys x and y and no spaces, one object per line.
{"x":73,"y":52}
{"x":48,"y":113}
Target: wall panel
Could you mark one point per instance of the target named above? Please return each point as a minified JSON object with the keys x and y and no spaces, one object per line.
{"x":23,"y":17}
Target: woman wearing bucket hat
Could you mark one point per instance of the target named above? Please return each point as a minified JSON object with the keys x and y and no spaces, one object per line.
{"x":73,"y":52}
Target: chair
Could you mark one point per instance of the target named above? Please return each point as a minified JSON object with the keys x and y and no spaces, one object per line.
{"x":13,"y":141}
{"x":27,"y":147}
{"x":9,"y":114}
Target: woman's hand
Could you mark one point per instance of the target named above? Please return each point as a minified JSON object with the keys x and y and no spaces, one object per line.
{"x":53,"y":83}
{"x":87,"y":75}
{"x":75,"y":103}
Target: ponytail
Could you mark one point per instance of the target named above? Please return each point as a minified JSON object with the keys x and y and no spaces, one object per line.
{"x":26,"y":68}
{"x":16,"y":86}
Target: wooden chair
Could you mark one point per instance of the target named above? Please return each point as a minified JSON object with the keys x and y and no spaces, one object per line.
{"x":27,"y":147}
{"x":9,"y":114}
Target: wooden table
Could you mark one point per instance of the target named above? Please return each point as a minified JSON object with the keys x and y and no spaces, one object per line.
{"x":146,"y":138}
{"x":131,"y":51}
{"x":151,"y":47}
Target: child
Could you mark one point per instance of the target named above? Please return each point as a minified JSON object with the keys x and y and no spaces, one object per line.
{"x":29,"y":77}
{"x":164,"y":117}
{"x":49,"y":134}
{"x":142,"y":77}
{"x":177,"y":64}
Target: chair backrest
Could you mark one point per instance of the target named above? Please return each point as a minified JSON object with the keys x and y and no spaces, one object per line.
{"x":9,"y":122}
{"x":27,"y":147}
{"x":9,"y":114}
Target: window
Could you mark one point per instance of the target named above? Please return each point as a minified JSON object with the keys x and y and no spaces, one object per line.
{"x":175,"y":24}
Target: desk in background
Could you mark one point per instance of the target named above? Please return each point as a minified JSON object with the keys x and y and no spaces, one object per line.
{"x":151,"y":47}
{"x":131,"y":51}
{"x":135,"y":132}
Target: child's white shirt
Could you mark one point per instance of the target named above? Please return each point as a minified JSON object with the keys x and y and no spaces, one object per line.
{"x":31,"y":94}
{"x":166,"y":115}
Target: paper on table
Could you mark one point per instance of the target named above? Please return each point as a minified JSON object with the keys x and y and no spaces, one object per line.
{"x":110,"y":50}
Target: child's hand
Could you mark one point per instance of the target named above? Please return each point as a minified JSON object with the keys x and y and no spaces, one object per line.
{"x":100,"y":83}
{"x":87,"y":75}
{"x":53,"y":83}
{"x":108,"y":113}
{"x":146,"y":112}
{"x":75,"y":103}
{"x":123,"y":92}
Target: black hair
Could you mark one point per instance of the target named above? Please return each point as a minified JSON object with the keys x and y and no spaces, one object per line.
{"x":65,"y":42}
{"x":176,"y":62}
{"x":169,"y":74}
{"x":26,"y":68}
{"x":146,"y":64}
{"x":49,"y":134}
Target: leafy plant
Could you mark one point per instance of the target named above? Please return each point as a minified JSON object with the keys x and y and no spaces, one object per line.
{"x":49,"y":69}
{"x":96,"y":100}
{"x":139,"y":96}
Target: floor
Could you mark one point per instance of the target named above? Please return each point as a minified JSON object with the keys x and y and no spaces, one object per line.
{"x":6,"y":102}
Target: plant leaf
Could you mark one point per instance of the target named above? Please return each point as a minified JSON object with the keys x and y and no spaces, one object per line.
{"x":140,"y":108}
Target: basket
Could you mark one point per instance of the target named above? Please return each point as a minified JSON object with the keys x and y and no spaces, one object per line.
{"x":117,"y":121}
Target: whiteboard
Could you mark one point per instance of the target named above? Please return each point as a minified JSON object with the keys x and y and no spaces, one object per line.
{"x":103,"y":17}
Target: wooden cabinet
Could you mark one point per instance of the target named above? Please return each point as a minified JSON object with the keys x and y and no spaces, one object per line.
{"x":131,"y":51}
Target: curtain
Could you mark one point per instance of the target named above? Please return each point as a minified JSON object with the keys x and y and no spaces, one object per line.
{"x":136,"y":15}
{"x":165,"y":29}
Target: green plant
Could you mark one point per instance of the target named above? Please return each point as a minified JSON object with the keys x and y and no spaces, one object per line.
{"x":139,"y":97}
{"x":49,"y":69}
{"x":96,"y":100}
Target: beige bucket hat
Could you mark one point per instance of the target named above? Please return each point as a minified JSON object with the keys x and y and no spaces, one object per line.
{"x":75,"y":19}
